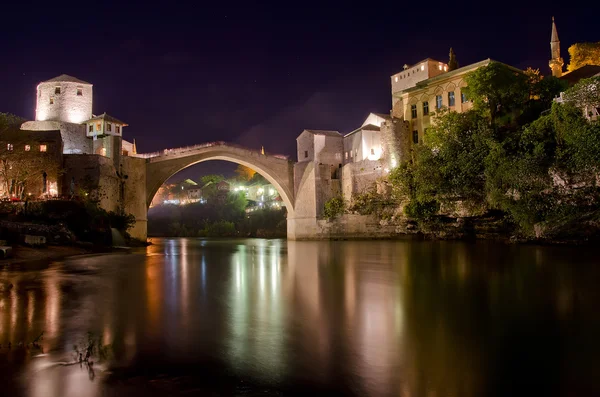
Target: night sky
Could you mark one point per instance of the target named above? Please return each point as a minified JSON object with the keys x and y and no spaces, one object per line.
{"x":257,"y":73}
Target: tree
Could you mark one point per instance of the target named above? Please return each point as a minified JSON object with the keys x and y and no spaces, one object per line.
{"x":452,"y":62}
{"x":582,"y":54}
{"x":211,"y":179}
{"x":499,"y":91}
{"x":449,"y":165}
{"x":244,"y":173}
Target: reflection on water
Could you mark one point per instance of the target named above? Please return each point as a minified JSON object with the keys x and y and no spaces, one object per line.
{"x":358,"y":318}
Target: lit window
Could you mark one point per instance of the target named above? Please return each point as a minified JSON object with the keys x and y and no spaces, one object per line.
{"x":27,"y":148}
{"x":451,"y":98}
{"x":415,"y":136}
{"x":306,"y":154}
{"x":438,"y":101}
{"x":350,"y":153}
{"x":346,"y":155}
{"x":57,"y":90}
{"x":9,"y":147}
{"x":463,"y":98}
{"x":445,"y":68}
{"x":422,"y":67}
{"x":413,"y":111}
{"x":425,"y":108}
{"x":98,"y":126}
{"x":108,"y":127}
{"x":440,"y":66}
{"x":43,"y":148}
{"x":396,"y":79}
{"x":118,"y":129}
{"x":91,"y":128}
{"x":79,"y":91}
{"x":51,"y":100}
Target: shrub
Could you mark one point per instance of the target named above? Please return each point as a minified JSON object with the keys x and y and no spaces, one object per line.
{"x":334,"y":207}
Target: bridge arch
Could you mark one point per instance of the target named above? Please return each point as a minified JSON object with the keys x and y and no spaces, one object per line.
{"x":279,"y":171}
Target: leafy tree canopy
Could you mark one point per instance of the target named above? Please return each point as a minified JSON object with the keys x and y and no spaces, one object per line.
{"x":582,"y":54}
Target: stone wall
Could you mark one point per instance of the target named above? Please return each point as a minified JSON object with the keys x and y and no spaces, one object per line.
{"x":134,"y":194}
{"x":73,"y":135}
{"x":356,"y":226}
{"x":93,"y":173}
{"x":360,"y":176}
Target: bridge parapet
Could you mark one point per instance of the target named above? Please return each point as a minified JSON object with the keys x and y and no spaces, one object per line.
{"x":184,"y":150}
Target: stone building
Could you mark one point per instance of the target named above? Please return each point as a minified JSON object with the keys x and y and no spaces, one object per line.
{"x":31,"y":164}
{"x":95,"y":161}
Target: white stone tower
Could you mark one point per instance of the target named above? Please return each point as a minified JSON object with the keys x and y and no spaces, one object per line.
{"x":556,"y":62}
{"x":64,"y":98}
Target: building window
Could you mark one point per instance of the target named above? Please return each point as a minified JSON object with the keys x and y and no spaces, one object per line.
{"x":9,"y":147}
{"x":306,"y":154}
{"x":413,"y":111}
{"x":98,"y":126}
{"x":438,"y":101}
{"x":118,"y":129}
{"x":43,"y":148}
{"x":422,"y":67}
{"x":451,"y":98}
{"x":346,"y":155}
{"x":57,"y":90}
{"x":91,"y":128}
{"x":79,"y":91}
{"x":415,"y":136}
{"x":108,"y":127}
{"x":350,"y":153}
{"x":463,"y":98}
{"x":396,"y":79}
{"x":425,"y":108}
{"x":27,"y":148}
{"x":51,"y":100}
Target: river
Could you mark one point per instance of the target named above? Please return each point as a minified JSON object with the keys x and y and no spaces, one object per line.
{"x":273,"y":317}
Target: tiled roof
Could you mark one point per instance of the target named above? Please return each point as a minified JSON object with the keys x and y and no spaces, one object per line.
{"x":583,"y":72}
{"x":106,"y":117}
{"x":324,"y":132}
{"x":66,"y":78}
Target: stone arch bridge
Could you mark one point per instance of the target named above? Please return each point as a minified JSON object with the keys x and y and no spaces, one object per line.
{"x":296,"y":183}
{"x":278,"y":170}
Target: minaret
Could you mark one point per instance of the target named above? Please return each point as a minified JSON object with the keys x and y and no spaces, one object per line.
{"x":556,"y":63}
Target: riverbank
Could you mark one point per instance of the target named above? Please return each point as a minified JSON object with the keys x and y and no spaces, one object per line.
{"x":23,"y":254}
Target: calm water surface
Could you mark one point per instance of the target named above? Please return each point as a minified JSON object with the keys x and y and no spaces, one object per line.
{"x":271,"y":317}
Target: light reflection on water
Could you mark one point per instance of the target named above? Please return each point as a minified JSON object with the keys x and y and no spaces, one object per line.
{"x":359,"y":318}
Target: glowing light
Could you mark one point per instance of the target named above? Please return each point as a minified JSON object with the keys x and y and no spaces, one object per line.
{"x":422,"y":67}
{"x":53,"y":190}
{"x":396,"y":79}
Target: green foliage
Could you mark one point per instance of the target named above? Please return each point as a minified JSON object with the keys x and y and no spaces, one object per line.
{"x":370,"y":203}
{"x":334,"y":207}
{"x":539,"y":169}
{"x":499,"y":91}
{"x":211,"y":179}
{"x":585,"y":93}
{"x":449,"y":165}
{"x":422,"y":209}
{"x":548,"y":175}
{"x":582,"y":54}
